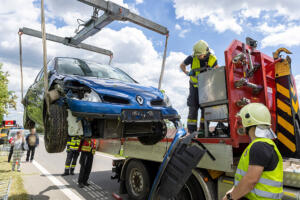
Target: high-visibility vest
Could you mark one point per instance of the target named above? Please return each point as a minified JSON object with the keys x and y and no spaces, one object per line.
{"x":196,"y":67}
{"x":74,"y":143}
{"x":270,"y":184}
{"x":89,"y":145}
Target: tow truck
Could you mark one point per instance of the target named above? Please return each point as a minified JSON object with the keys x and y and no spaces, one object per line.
{"x":248,"y":76}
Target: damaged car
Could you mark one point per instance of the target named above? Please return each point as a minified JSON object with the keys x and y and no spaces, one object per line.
{"x":94,"y":100}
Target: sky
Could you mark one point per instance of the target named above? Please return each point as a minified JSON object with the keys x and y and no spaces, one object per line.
{"x":138,"y":51}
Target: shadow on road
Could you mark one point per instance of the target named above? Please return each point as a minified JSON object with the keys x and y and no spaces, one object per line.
{"x":101,"y":186}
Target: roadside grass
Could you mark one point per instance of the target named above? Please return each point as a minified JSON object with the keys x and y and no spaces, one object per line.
{"x":17,"y":191}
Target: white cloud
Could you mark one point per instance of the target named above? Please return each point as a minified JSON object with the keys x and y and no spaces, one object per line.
{"x":266,"y":29}
{"x":139,"y":1}
{"x":183,"y":32}
{"x":288,"y":37}
{"x":231,"y":14}
{"x":177,"y":27}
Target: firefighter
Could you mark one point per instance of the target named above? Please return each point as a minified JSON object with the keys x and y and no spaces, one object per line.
{"x":259,"y":174}
{"x":72,"y":155}
{"x":88,"y":149}
{"x":201,"y":60}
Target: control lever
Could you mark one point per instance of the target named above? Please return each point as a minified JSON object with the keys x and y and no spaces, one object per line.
{"x":245,"y":82}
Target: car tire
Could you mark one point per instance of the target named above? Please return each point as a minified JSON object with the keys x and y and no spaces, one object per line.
{"x":56,"y":128}
{"x":159,"y":132}
{"x":137,"y":180}
{"x":191,"y":190}
{"x":27,"y":122}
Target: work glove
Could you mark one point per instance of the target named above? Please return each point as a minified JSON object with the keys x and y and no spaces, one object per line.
{"x":191,"y":73}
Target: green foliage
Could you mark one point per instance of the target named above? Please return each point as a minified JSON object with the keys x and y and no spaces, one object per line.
{"x":7,"y":98}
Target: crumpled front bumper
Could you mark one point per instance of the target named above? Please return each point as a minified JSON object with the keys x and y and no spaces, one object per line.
{"x":112,"y":111}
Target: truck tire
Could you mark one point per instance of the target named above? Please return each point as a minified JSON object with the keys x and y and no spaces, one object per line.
{"x":191,"y":190}
{"x":137,"y":180}
{"x":56,"y":128}
{"x":159,"y":132}
{"x":27,"y":122}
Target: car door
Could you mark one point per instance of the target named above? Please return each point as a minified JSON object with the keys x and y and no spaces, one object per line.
{"x":30,"y":99}
{"x":40,"y":91}
{"x":35,"y":96}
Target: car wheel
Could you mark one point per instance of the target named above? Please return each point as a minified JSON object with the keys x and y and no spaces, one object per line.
{"x":191,"y":190}
{"x":27,"y":123}
{"x":137,"y":180}
{"x":159,"y":132}
{"x":56,"y":128}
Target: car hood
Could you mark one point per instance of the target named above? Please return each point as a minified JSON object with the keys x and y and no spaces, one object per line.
{"x":118,"y":88}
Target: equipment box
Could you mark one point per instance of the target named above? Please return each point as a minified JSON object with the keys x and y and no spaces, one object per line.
{"x":212,"y":87}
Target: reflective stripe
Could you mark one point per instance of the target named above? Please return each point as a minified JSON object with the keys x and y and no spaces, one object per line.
{"x":262,"y":180}
{"x":192,"y":121}
{"x":73,"y":166}
{"x":67,"y":166}
{"x":263,"y":193}
{"x":267,"y":194}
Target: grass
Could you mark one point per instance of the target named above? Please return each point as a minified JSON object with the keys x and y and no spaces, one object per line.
{"x":17,"y":191}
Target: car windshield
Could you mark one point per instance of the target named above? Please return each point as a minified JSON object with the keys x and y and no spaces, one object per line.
{"x":73,"y":66}
{"x":5,"y":130}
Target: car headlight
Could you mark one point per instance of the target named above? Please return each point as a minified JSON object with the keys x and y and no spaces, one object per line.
{"x":167,"y":100}
{"x":91,"y":96}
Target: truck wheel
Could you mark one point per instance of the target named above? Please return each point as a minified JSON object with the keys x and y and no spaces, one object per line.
{"x":191,"y":190}
{"x":137,"y":180}
{"x":27,"y":122}
{"x":56,"y":128}
{"x":159,"y":132}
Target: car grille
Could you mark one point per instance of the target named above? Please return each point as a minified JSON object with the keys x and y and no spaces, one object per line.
{"x":117,"y":100}
{"x":158,"y":102}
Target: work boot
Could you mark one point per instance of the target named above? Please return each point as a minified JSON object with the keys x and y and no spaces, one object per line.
{"x":72,"y":171}
{"x":66,"y":173}
{"x":86,"y":184}
{"x":80,"y":185}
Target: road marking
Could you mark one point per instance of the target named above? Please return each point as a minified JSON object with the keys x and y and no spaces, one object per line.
{"x":107,"y":156}
{"x":58,"y":183}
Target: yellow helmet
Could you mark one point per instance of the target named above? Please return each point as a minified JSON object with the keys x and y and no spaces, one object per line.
{"x":200,"y":48}
{"x":255,"y":114}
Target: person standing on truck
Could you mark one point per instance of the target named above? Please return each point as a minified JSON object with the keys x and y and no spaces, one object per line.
{"x":72,"y":155}
{"x":33,"y":141}
{"x":88,"y":149}
{"x":201,"y":60}
{"x":259,"y":174}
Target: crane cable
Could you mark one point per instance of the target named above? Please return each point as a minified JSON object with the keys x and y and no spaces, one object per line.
{"x":21,"y":63}
{"x":44,"y":55}
{"x":163,"y":62}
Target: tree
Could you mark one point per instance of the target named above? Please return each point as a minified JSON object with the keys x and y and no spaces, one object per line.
{"x":7,"y":97}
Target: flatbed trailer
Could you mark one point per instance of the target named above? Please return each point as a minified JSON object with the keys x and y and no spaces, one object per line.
{"x":249,"y":76}
{"x":210,"y":180}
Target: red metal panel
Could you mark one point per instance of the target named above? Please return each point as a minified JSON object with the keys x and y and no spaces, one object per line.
{"x":264,"y":76}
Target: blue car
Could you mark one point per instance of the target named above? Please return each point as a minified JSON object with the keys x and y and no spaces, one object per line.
{"x":94,"y":100}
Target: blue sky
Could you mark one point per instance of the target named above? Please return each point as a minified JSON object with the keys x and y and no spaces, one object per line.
{"x":138,"y":51}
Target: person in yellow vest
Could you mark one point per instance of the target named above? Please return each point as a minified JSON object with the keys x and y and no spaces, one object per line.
{"x":259,"y":174}
{"x":72,"y":155}
{"x":201,"y":60}
{"x":88,"y":149}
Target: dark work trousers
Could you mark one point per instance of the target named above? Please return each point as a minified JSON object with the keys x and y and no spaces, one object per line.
{"x":193,"y":104}
{"x":11,"y":151}
{"x":72,"y":156}
{"x":30,"y":153}
{"x":86,"y":162}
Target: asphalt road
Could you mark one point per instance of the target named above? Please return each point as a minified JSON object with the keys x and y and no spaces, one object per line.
{"x":43,"y":180}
